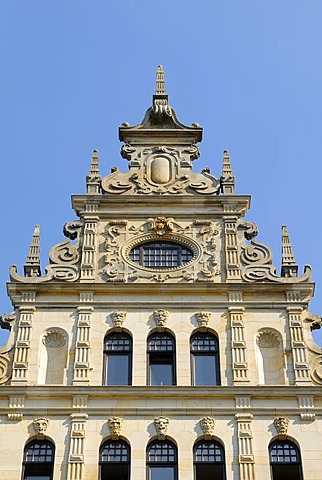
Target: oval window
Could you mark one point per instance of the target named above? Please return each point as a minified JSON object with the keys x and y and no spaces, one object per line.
{"x":161,"y":254}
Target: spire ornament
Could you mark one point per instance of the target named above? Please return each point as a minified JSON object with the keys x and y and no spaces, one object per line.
{"x":159,"y":88}
{"x":93,"y":179}
{"x":227,"y":179}
{"x":289,"y":265}
{"x":32,"y":265}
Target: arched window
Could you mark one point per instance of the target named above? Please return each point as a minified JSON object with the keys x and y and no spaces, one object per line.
{"x":209,"y":460}
{"x":161,"y":359}
{"x":285,"y":460}
{"x":114,"y":460}
{"x":205,"y":359}
{"x":162,"y":463}
{"x":118,"y":359}
{"x":38,"y":462}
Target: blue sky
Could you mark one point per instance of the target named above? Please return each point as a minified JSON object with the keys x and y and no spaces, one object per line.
{"x":250,"y":72}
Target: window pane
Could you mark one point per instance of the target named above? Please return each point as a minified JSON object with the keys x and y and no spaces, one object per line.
{"x":209,"y":471}
{"x":117,"y":370}
{"x":205,"y":370}
{"x":161,"y":374}
{"x":38,"y":477}
{"x":114,"y":471}
{"x":162,"y":473}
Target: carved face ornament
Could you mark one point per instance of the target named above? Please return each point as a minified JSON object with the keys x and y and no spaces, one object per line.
{"x":161,"y":425}
{"x":40,"y":425}
{"x":207,"y":425}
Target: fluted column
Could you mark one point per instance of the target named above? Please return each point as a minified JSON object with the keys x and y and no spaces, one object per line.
{"x":76,"y":449}
{"x":89,"y":249}
{"x":82,"y":347}
{"x":238,"y":345}
{"x":233,"y":270}
{"x":245,"y":446}
{"x":21,"y":356}
{"x":300,"y":362}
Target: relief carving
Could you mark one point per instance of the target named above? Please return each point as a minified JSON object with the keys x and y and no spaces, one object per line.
{"x":118,"y":318}
{"x":161,"y":425}
{"x":207,"y":425}
{"x":203,"y":318}
{"x":115,"y":425}
{"x":160,"y":170}
{"x":200,"y":237}
{"x":281,"y":425}
{"x":40,"y":425}
{"x":161,"y":317}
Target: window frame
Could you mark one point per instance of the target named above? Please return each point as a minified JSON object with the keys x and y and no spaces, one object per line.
{"x":222,"y":462}
{"x":125,"y":353}
{"x":167,"y":354}
{"x":127,"y":463}
{"x":139,"y":250}
{"x":283,"y":464}
{"x":206,"y":353}
{"x":162,"y":464}
{"x":35,"y":466}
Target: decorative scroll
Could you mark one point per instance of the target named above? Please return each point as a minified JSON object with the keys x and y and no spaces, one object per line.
{"x":6,"y":319}
{"x":257,"y":266}
{"x":250,"y":229}
{"x":64,"y":259}
{"x":5,"y":368}
{"x":316,"y":368}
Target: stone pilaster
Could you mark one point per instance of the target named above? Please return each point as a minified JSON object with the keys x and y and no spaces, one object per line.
{"x":89,"y":248}
{"x":300,"y":362}
{"x":82,"y":347}
{"x":76,"y":449}
{"x":233,"y":269}
{"x":245,"y":447}
{"x":21,"y":357}
{"x":238,"y":345}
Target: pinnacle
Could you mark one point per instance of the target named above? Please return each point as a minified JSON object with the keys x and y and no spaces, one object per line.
{"x":32,"y":265}
{"x":160,"y":88}
{"x":289,"y":265}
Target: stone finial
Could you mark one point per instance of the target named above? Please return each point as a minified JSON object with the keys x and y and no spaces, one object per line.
{"x":227,"y":179}
{"x":161,"y":317}
{"x":93,"y":179}
{"x":115,"y":426}
{"x":289,"y":265}
{"x":32,"y":265}
{"x":281,"y":425}
{"x":203,"y":318}
{"x":207,"y":425}
{"x":118,"y":318}
{"x":40,"y":425}
{"x":161,"y":425}
{"x":159,"y":87}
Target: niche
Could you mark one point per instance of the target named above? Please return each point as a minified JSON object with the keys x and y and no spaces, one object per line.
{"x":53,"y":357}
{"x":270,"y":357}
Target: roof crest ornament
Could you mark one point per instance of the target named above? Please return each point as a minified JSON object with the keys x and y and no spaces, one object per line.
{"x":289,"y":265}
{"x":32,"y":265}
{"x":159,"y":88}
{"x":227,"y":179}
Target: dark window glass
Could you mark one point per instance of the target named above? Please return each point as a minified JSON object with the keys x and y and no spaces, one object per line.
{"x":115,"y":461}
{"x":205,"y":359}
{"x":38,"y":461}
{"x":209,"y":461}
{"x":285,"y":461}
{"x":160,"y":254}
{"x":161,"y":359}
{"x":162,"y":461}
{"x":118,"y":359}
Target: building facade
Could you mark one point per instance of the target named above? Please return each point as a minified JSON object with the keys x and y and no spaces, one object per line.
{"x":160,"y":342}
